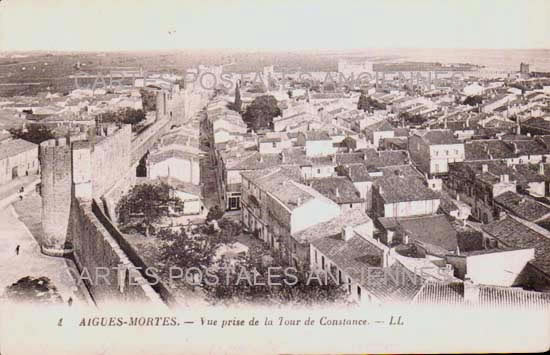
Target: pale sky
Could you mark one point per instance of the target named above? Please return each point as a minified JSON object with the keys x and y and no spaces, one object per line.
{"x":272,"y":24}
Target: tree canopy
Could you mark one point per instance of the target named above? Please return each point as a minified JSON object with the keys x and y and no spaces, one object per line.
{"x":214,"y":213}
{"x":362,"y":104}
{"x":185,"y":251}
{"x":36,"y":290}
{"x":248,"y":281}
{"x":33,"y":133}
{"x":260,"y":113}
{"x":126,"y":115}
{"x":412,"y":119}
{"x":197,"y":248}
{"x":146,"y":204}
{"x":473,"y":100}
{"x":238,"y":104}
{"x":149,"y":100}
{"x":366,"y":103}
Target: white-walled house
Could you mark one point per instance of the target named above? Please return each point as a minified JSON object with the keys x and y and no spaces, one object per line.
{"x":316,"y":143}
{"x":189,"y":194}
{"x":433,"y":150}
{"x":180,"y":165}
{"x":498,"y":267}
{"x":399,"y":195}
{"x":275,"y":206}
{"x":17,"y":158}
{"x":365,"y":268}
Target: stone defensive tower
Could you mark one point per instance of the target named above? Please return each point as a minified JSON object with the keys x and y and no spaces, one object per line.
{"x":56,"y":190}
{"x":87,"y":166}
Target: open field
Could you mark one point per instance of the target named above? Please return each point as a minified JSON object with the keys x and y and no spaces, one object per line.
{"x":36,"y":72}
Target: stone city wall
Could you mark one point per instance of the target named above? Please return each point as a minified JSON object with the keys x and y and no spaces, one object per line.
{"x":99,"y":257}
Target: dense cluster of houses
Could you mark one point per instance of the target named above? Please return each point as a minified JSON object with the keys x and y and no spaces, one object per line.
{"x":423,"y":185}
{"x":442,"y":189}
{"x":174,"y":159}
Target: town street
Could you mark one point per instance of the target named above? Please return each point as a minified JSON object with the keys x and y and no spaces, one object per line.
{"x":30,"y":261}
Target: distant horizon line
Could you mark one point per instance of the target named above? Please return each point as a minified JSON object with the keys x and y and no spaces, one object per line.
{"x":260,"y":49}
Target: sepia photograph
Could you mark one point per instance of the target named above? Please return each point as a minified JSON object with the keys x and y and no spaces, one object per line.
{"x":274,"y":176}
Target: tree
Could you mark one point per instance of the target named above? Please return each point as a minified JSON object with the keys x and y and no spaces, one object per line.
{"x":214,"y":213}
{"x":473,"y":100}
{"x":33,"y":133}
{"x":366,"y":103}
{"x":412,"y":119}
{"x":149,"y":100}
{"x":126,"y":115}
{"x":260,"y":113}
{"x":147,"y":204}
{"x":185,"y":251}
{"x":238,"y":104}
{"x":248,"y":282}
{"x":30,"y":289}
{"x":363,"y":104}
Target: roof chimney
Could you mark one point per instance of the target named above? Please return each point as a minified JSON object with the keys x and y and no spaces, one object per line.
{"x":541,"y":168}
{"x":347,"y":233}
{"x":484,"y":168}
{"x":337,"y":192}
{"x":386,"y":257}
{"x":282,"y":157}
{"x":365,"y":156}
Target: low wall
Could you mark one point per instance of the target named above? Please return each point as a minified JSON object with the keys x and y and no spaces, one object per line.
{"x":95,"y":249}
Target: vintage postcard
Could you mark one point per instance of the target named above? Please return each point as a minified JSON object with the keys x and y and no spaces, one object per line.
{"x":274,"y":176}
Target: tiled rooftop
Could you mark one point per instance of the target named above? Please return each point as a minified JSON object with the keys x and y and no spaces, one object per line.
{"x":332,"y":227}
{"x":16,"y":146}
{"x":382,"y":125}
{"x":436,"y":137}
{"x":338,"y":189}
{"x":317,"y":136}
{"x":281,"y":182}
{"x":523,"y":206}
{"x":489,"y":296}
{"x":163,"y":155}
{"x":386,"y":157}
{"x":513,"y":233}
{"x":430,"y":230}
{"x":400,"y":188}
